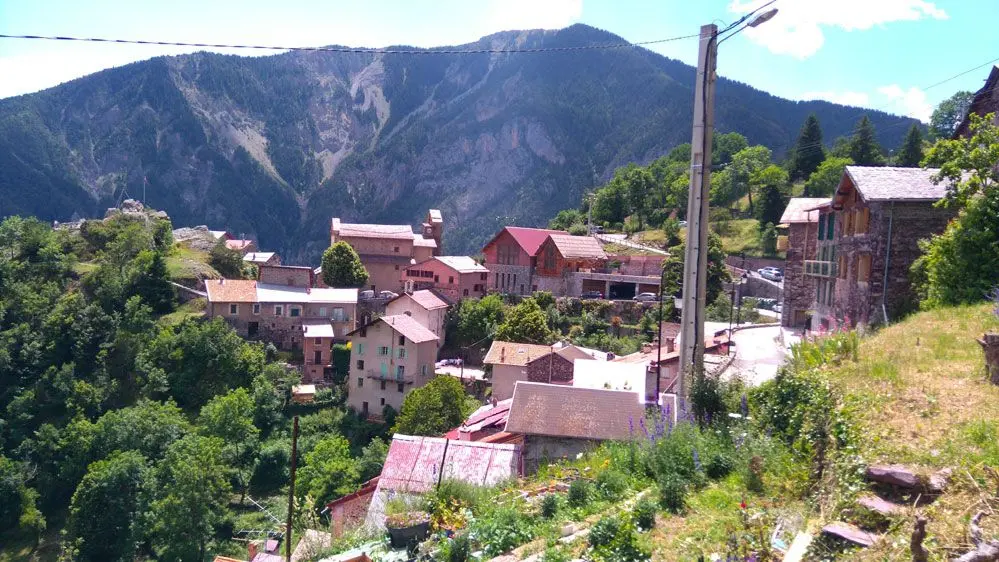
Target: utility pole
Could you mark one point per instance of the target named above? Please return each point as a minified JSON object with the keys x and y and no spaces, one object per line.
{"x":695,"y":262}
{"x":291,"y":491}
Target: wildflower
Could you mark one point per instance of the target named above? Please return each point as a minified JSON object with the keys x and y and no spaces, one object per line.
{"x":744,"y":406}
{"x":742,"y":504}
{"x":697,"y":461}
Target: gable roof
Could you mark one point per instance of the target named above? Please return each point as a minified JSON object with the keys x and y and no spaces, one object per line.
{"x":414,"y":464}
{"x":529,"y":239}
{"x":986,"y":100}
{"x":318,"y":330}
{"x":402,"y":324}
{"x":425,"y":298}
{"x":421,"y":242}
{"x":884,"y":183}
{"x":566,"y":411}
{"x":801,"y":210}
{"x":231,"y":290}
{"x":462,"y":264}
{"x":512,"y":353}
{"x":237,"y":244}
{"x":578,"y":246}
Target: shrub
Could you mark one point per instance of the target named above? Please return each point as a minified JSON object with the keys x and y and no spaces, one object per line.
{"x":271,"y":471}
{"x":457,"y":549}
{"x":719,"y":465}
{"x":645,"y":514}
{"x":549,"y":506}
{"x":603,"y":532}
{"x":754,"y":474}
{"x":501,"y":530}
{"x":553,"y":554}
{"x":611,"y":483}
{"x":673,"y":494}
{"x":578,"y":230}
{"x":579,"y":493}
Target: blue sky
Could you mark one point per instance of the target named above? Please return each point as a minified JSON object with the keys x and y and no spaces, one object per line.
{"x":872,"y":53}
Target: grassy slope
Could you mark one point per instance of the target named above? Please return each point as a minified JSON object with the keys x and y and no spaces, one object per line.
{"x":737,"y":236}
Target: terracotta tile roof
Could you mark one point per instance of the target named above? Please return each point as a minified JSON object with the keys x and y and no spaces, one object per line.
{"x":411,"y":329}
{"x":566,"y":411}
{"x":237,"y":244}
{"x":511,"y":353}
{"x":529,"y":239}
{"x":231,"y":290}
{"x":393,"y":231}
{"x":462,"y":264}
{"x":428,"y":299}
{"x":798,"y":208}
{"x":883,"y":183}
{"x":578,"y":246}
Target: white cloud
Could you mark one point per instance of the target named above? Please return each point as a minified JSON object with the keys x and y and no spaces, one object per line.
{"x":797,"y":28}
{"x":911,"y":102}
{"x":533,"y":14}
{"x":846,"y":98}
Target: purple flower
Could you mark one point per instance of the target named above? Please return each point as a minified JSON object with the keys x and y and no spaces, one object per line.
{"x":744,"y":406}
{"x":697,"y":461}
{"x":631,"y":425}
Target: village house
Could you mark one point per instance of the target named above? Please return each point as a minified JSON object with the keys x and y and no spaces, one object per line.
{"x":390,"y":356}
{"x":287,"y":275}
{"x":867,"y":239}
{"x":386,"y":250}
{"x":278,"y":313}
{"x":561,"y":255}
{"x":985,"y":101}
{"x":801,"y":219}
{"x":317,"y":350}
{"x":456,"y":277}
{"x":668,"y":359}
{"x":511,"y":258}
{"x":242,"y":246}
{"x":262,"y":258}
{"x":424,"y":306}
{"x":512,"y":362}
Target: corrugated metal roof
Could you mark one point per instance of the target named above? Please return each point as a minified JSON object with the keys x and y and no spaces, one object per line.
{"x":414,"y":464}
{"x":462,"y":264}
{"x":884,"y":183}
{"x":801,"y":210}
{"x":511,"y":353}
{"x":566,"y":411}
{"x":578,"y":246}
{"x":258,"y":257}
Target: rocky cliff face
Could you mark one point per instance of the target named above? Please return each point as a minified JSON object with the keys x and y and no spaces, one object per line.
{"x":272,"y":147}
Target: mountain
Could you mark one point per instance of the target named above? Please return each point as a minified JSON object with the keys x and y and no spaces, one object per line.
{"x":272,"y":147}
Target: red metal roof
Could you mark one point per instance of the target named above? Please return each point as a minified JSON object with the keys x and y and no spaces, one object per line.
{"x":529,"y":239}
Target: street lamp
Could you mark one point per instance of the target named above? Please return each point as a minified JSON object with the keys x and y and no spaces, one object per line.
{"x":742,"y":281}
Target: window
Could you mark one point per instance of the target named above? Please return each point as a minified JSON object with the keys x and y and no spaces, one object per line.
{"x":295,"y":312}
{"x":234,"y":309}
{"x":863,"y":268}
{"x":383,"y":385}
{"x":841,"y":267}
{"x":364,"y":332}
{"x":278,"y":310}
{"x":338,"y":315}
{"x":465,"y":292}
{"x":383,"y":401}
{"x":437,"y":279}
{"x":401,"y":386}
{"x":360,"y":382}
{"x":822,"y":227}
{"x":383,"y":350}
{"x":863,"y":217}
{"x":423,"y":370}
{"x":360,"y":364}
{"x":400,"y":372}
{"x":847,"y":223}
{"x":402,"y":340}
{"x":396,"y":249}
{"x":450,"y":280}
{"x":256,"y":308}
{"x":483,"y":276}
{"x":402,"y":353}
{"x":397,"y":267}
{"x":384,"y":370}
{"x":322,"y":311}
{"x":360,"y":348}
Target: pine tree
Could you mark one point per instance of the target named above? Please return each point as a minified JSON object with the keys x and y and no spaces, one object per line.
{"x":808,"y":152}
{"x":911,"y":153}
{"x":864,"y":149}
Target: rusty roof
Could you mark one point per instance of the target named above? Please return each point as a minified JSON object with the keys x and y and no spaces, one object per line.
{"x":578,"y":246}
{"x":574,"y":412}
{"x":511,"y":353}
{"x":800,"y":210}
{"x":231,"y":290}
{"x":237,"y":244}
{"x":885,"y":183}
{"x":414,"y":464}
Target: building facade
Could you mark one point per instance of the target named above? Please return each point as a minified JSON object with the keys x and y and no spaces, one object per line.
{"x":424,"y":306}
{"x":287,"y":275}
{"x":801,"y":218}
{"x":511,"y":258}
{"x":386,"y":250}
{"x":456,"y":277}
{"x":390,"y":356}
{"x":317,"y":352}
{"x":867,"y":240}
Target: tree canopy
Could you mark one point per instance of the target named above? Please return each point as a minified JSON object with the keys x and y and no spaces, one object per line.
{"x":948,"y":115}
{"x":433,"y":409}
{"x":823,"y":182}
{"x":808,"y":153}
{"x":771,"y":183}
{"x":864,"y":148}
{"x":525,"y":323}
{"x":342,"y":266}
{"x":911,"y":152}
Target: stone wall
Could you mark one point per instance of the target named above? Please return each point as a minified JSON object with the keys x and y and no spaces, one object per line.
{"x":501,"y":278}
{"x":752,"y":263}
{"x":799,"y":289}
{"x":540,"y":449}
{"x":550,"y":368}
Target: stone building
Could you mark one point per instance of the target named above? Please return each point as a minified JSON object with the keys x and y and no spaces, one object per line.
{"x":390,"y":356}
{"x":511,"y":258}
{"x":801,"y":218}
{"x":456,"y":277}
{"x":278,"y":313}
{"x":867,"y":239}
{"x":287,"y":275}
{"x":424,"y":306}
{"x":512,"y":362}
{"x":317,"y":352}
{"x":562,"y":255}
{"x":386,"y":250}
{"x":986,"y":101}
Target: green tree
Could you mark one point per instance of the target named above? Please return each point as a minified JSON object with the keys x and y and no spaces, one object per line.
{"x":949,"y":114}
{"x":724,"y":147}
{"x":192,"y":500}
{"x":961,"y":264}
{"x":610,"y":202}
{"x":864,"y":149}
{"x":147,"y":427}
{"x":150,"y":281}
{"x":267,"y":402}
{"x":911,"y":152}
{"x":771,"y":183}
{"x":228,"y":262}
{"x":717,"y":272}
{"x":477,"y":319}
{"x":329,"y":471}
{"x":826,"y":178}
{"x":525,"y":323}
{"x":808,"y":152}
{"x":342,"y":266}
{"x":434,"y":408}
{"x":17,"y":500}
{"x":640,"y":185}
{"x":108,"y":509}
{"x":745,"y":164}
{"x":372,"y":459}
{"x":566,"y":218}
{"x":230,"y":418}
{"x":768,"y":238}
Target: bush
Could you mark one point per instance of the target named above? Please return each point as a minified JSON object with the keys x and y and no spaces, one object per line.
{"x":673,"y":494}
{"x":611,"y":483}
{"x":271,"y":471}
{"x":501,"y":530}
{"x":549,"y":506}
{"x":719,"y":465}
{"x":707,"y":400}
{"x":579,"y":493}
{"x":553,"y":554}
{"x":457,"y":550}
{"x":645,"y":514}
{"x":603,"y":532}
{"x":578,"y":230}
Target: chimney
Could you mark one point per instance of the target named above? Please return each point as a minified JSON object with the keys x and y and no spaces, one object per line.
{"x":221,"y":280}
{"x":502,"y":354}
{"x":646,"y":348}
{"x":251,"y":550}
{"x":670,"y":345}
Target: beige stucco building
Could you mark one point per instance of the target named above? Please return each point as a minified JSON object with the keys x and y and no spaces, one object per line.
{"x":426,"y":307}
{"x":390,"y":356}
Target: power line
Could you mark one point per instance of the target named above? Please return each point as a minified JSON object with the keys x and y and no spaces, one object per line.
{"x":431,"y":51}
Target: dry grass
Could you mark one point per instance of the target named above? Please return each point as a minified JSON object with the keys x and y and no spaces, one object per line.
{"x":920,"y":394}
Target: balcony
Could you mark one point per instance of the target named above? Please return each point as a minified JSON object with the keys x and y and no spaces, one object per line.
{"x":388,"y":377}
{"x":820,"y":268}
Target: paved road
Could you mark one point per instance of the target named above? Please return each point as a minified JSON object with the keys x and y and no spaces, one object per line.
{"x":622,"y":240}
{"x":758,"y":354}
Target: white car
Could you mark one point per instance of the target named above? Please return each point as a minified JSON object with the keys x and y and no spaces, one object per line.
{"x":646,"y":297}
{"x":387,"y":295}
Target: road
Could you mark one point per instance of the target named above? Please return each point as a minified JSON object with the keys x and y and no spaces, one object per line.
{"x":758,"y":354}
{"x":622,"y":240}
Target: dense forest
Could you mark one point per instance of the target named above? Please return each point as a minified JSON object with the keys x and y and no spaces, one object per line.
{"x":272,"y":147}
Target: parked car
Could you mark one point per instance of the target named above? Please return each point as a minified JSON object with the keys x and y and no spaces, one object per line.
{"x":771,"y":273}
{"x":366,"y":295}
{"x":387,"y":295}
{"x":598,"y":229}
{"x":766,"y":304}
{"x":646,"y":297}
{"x":591,"y":295}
